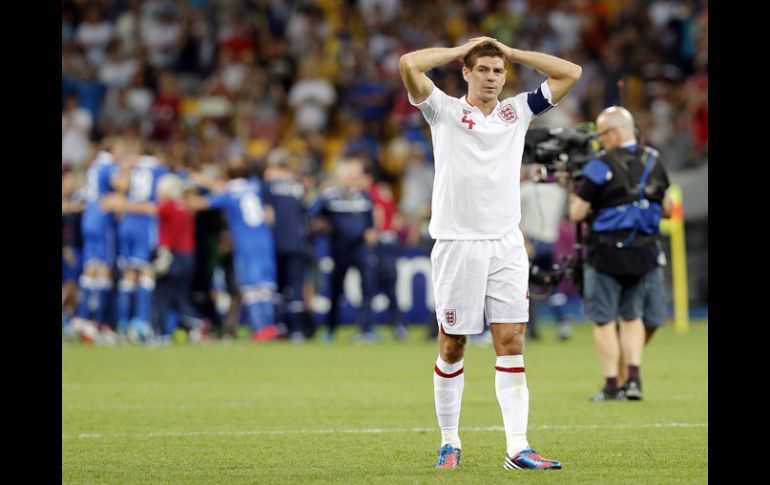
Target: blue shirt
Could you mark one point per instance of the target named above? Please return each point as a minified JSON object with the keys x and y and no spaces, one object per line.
{"x":99,"y":184}
{"x":143,"y":185}
{"x":243,"y":202}
{"x":349,"y":215}
{"x":286,"y":196}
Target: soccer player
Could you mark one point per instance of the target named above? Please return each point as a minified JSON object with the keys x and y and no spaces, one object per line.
{"x":387,"y":220}
{"x":249,"y":220}
{"x":137,"y":241}
{"x":98,"y":229}
{"x":71,"y":240}
{"x":480,"y":265}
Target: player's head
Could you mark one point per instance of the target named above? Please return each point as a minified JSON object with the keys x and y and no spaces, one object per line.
{"x":350,"y":173}
{"x":615,"y":126}
{"x":169,"y":186}
{"x":279,"y":158}
{"x":484,"y":71}
{"x":116,"y":145}
{"x":237,"y":168}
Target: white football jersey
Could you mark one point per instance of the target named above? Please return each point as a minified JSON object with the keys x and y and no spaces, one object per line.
{"x":477,"y":161}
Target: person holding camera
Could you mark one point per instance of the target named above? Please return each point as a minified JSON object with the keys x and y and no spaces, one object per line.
{"x":623,"y":196}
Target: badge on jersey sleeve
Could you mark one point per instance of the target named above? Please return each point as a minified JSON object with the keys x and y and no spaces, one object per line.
{"x":507,"y":113}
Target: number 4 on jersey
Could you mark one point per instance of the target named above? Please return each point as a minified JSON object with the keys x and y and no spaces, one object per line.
{"x":467,"y":120}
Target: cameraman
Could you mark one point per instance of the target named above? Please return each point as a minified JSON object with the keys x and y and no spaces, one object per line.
{"x":623,"y":196}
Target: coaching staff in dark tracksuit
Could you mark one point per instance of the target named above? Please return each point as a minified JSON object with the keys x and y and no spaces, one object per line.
{"x":345,"y":213}
{"x":286,"y":194}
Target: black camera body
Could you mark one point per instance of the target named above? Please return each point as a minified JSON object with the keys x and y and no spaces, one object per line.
{"x":561,"y":150}
{"x":571,"y":268}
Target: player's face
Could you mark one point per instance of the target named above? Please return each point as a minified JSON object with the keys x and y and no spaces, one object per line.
{"x":350,"y":176}
{"x":486,"y":79}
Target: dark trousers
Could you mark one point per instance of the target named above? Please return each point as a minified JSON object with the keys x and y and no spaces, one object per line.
{"x":291,"y":282}
{"x":387,"y":274}
{"x":364,"y":258}
{"x":172,"y":291}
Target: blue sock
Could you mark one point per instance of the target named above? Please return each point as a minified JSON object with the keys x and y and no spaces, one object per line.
{"x":126,"y":291}
{"x":254,"y":312}
{"x":171,"y":322}
{"x":103,"y":289}
{"x":259,"y":307}
{"x":144,"y":298}
{"x":85,"y":284}
{"x":267,"y":310}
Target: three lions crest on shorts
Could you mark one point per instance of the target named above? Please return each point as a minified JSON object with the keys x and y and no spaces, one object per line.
{"x":450,"y":317}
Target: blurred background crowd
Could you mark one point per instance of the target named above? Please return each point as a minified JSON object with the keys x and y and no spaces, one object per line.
{"x":198,"y":83}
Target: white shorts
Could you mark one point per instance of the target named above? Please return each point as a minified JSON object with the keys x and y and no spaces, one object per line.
{"x":477,"y":278}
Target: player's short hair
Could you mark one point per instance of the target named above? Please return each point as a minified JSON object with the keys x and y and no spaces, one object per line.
{"x":279,"y":157}
{"x":238,"y":167}
{"x":485,"y":49}
{"x":170,"y":185}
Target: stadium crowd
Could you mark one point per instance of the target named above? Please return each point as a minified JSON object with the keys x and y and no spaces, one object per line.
{"x":273,"y":91}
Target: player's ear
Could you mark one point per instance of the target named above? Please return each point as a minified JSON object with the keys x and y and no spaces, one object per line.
{"x":466,"y":73}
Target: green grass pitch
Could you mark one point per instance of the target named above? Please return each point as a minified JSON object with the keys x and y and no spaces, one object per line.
{"x":343,"y":413}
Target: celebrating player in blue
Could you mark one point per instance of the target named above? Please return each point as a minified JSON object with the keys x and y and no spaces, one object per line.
{"x":98,"y":229}
{"x":480,"y":265}
{"x":249,"y":220}
{"x":137,"y":240}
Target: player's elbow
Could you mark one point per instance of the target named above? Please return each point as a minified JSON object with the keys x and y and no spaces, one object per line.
{"x":574,"y":73}
{"x":406,"y":63}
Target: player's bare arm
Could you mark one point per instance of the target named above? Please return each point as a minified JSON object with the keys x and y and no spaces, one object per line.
{"x":562,"y":74}
{"x":414,"y":65}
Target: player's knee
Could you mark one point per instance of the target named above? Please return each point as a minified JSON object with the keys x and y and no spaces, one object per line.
{"x":130,"y":276}
{"x":511,"y":342}
{"x":103,"y":271}
{"x":452,"y":347}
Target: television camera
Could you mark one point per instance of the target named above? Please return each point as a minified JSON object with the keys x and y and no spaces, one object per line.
{"x":561,"y":152}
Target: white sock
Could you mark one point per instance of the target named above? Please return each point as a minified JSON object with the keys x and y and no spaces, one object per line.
{"x":448,"y":394}
{"x":513,"y":396}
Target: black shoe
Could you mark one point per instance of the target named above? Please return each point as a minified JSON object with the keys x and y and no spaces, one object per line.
{"x":605,"y":395}
{"x":633,"y":390}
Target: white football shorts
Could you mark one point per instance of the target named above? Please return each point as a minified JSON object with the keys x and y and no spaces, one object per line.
{"x":477,"y":278}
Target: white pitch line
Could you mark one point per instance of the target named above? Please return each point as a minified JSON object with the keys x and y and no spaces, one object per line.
{"x":163,"y":434}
